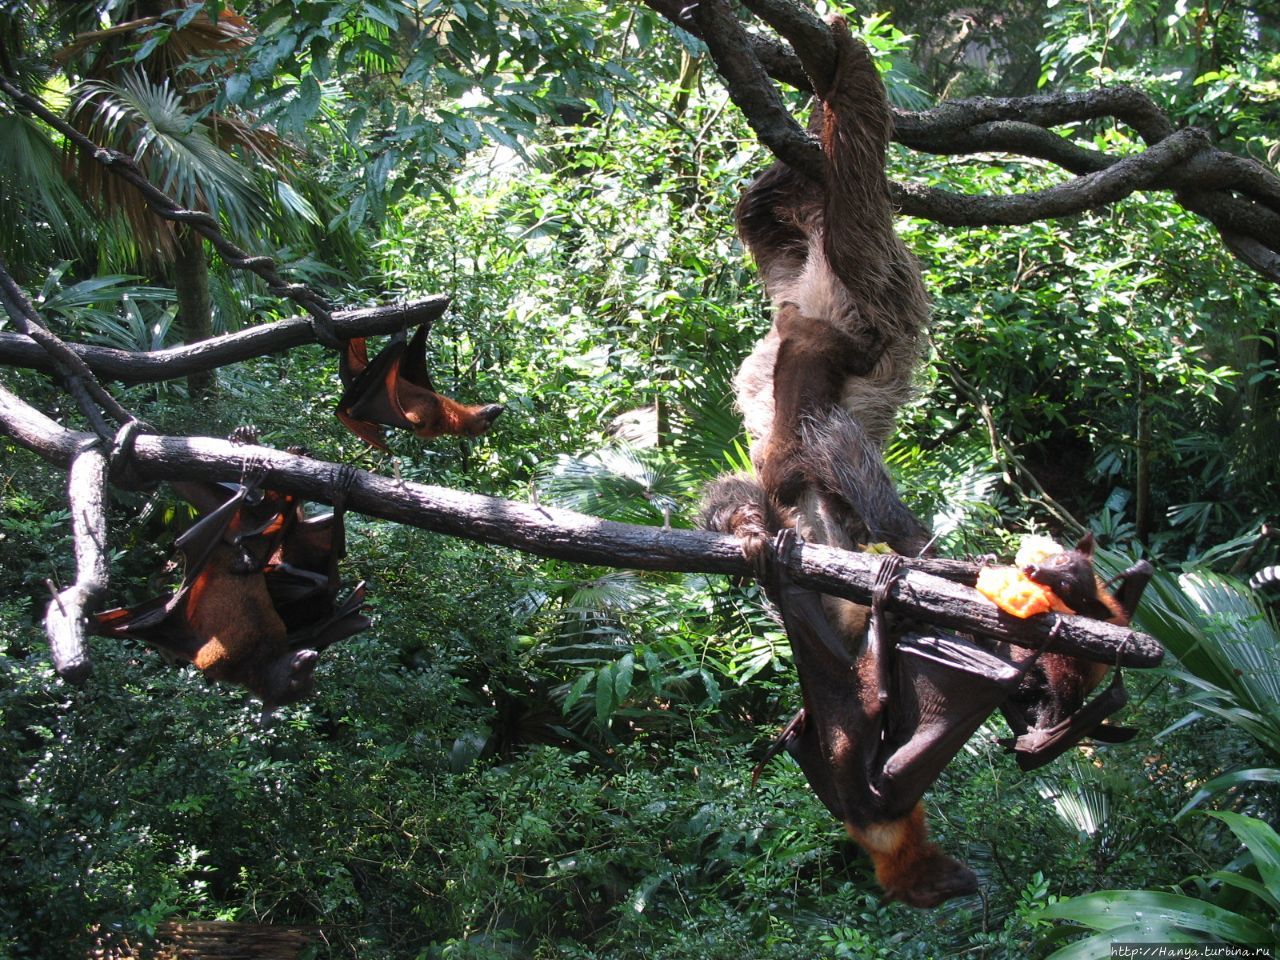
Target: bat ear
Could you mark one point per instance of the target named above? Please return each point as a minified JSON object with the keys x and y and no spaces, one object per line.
{"x":1086,"y":545}
{"x":291,"y":677}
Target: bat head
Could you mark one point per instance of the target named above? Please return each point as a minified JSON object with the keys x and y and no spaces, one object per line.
{"x":432,"y":414}
{"x":482,"y":418}
{"x":1069,"y":575}
{"x":288,"y":678}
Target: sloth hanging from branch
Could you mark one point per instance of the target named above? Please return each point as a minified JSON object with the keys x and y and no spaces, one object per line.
{"x":819,"y":396}
{"x":886,"y":705}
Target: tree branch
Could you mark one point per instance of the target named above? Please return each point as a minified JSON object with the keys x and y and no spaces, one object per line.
{"x":1116,"y":181}
{"x":715,"y":23}
{"x":164,"y":206}
{"x":1236,"y":194}
{"x":562,"y":534}
{"x":65,"y":618}
{"x":146,"y":367}
{"x":79,"y":381}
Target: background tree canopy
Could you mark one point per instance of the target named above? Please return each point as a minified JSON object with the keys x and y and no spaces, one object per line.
{"x":531,"y":758}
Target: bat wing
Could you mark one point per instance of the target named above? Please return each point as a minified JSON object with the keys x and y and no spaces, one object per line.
{"x":252,"y":520}
{"x":1039,"y":745}
{"x":344,"y":620}
{"x":869,"y":761}
{"x":372,"y":396}
{"x":161,"y":623}
{"x":205,"y":497}
{"x":944,"y":687}
{"x":305,"y":582}
{"x":413,"y":367}
{"x":835,"y":743}
{"x":353,"y":361}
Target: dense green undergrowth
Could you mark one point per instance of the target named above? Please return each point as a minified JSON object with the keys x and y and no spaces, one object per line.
{"x":529,"y":759}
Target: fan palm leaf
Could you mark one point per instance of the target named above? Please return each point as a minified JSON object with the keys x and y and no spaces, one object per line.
{"x":621,"y":483}
{"x":41,"y":208}
{"x":174,"y":149}
{"x":1227,"y":646}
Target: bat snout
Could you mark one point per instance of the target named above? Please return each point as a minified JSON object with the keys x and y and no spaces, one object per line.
{"x":485,"y":416}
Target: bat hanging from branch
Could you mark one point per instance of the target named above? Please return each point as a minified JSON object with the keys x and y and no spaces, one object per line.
{"x":395,"y":390}
{"x":259,"y":594}
{"x":1048,"y":714}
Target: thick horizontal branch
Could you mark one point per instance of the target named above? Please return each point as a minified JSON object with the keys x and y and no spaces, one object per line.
{"x":930,"y":130}
{"x":563,"y":534}
{"x":1088,"y":192}
{"x":146,"y":367}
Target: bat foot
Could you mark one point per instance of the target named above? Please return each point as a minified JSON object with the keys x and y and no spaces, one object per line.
{"x":887,"y":574}
{"x":344,"y":480}
{"x":785,"y":741}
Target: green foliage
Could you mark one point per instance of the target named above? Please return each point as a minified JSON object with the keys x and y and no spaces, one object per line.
{"x":535,"y":759}
{"x":1113,"y":335}
{"x":1238,"y":905}
{"x":1226,"y":645}
{"x":1229,"y":652}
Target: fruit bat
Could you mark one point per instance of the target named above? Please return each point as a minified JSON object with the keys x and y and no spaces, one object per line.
{"x":1048,"y":713}
{"x":879,"y":725}
{"x":395,"y":390}
{"x":258,"y":599}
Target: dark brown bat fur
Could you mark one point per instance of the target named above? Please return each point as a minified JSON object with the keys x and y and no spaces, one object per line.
{"x":242,"y":638}
{"x":259,"y":598}
{"x":1058,"y":685}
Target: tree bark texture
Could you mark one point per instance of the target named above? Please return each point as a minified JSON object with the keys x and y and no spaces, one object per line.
{"x":195,"y":315}
{"x":65,"y":617}
{"x":127,"y":366}
{"x":563,"y":534}
{"x":1238,"y":195}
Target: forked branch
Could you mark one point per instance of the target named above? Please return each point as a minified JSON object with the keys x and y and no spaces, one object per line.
{"x":1239,"y":196}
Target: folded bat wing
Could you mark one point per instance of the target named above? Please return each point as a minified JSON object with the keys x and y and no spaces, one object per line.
{"x":371,"y":398}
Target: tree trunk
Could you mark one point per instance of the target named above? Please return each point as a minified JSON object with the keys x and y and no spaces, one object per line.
{"x":195,"y":317}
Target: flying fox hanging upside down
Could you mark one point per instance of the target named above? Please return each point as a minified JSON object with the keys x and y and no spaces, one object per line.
{"x":259,"y":595}
{"x":1047,"y":713}
{"x":886,"y":710}
{"x":395,"y":390}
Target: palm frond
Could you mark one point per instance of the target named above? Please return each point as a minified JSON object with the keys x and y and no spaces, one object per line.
{"x":176,"y":151}
{"x":109,"y":310}
{"x":1227,"y":645}
{"x":706,"y":421}
{"x":621,"y":483}
{"x":1080,"y":800}
{"x":40,"y":205}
